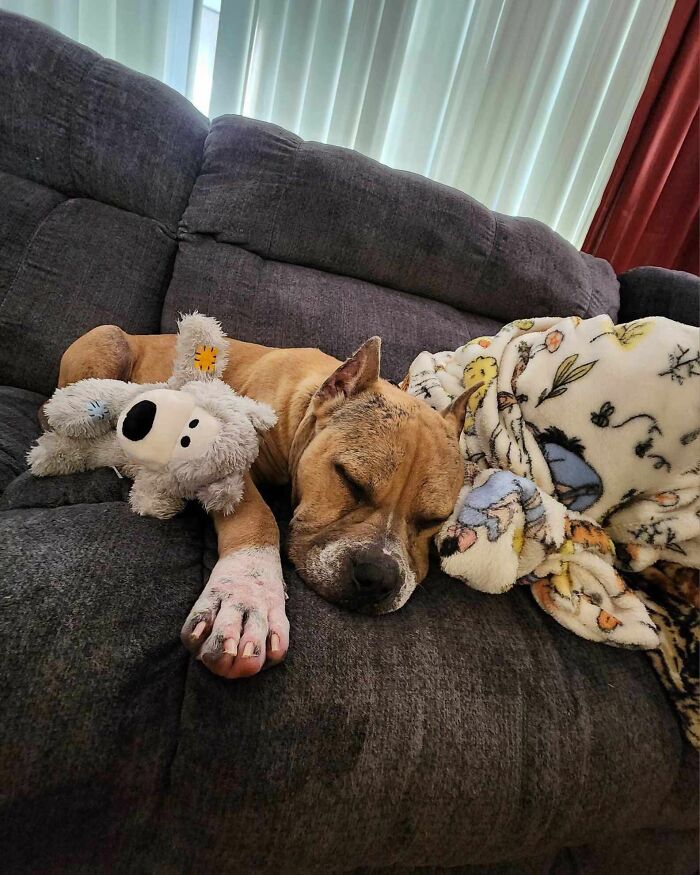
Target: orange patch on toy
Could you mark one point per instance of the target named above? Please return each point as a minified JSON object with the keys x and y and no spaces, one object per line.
{"x":205,"y":358}
{"x":607,"y":622}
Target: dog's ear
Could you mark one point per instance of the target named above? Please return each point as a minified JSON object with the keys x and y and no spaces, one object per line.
{"x":352,"y":377}
{"x":456,"y":412}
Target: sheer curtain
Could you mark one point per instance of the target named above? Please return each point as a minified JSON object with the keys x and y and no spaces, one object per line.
{"x":523,"y":104}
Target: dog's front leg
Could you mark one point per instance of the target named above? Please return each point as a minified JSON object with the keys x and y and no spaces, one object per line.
{"x":239,"y":623}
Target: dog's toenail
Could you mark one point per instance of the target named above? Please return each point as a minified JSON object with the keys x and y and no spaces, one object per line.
{"x":198,"y":629}
{"x":248,"y":650}
{"x":230,"y":647}
{"x":274,"y":642}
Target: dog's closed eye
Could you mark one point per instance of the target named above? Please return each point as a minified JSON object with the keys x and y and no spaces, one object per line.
{"x":424,"y":523}
{"x":358,"y":492}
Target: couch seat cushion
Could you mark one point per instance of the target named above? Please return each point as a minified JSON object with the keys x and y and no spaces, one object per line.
{"x":19,"y":427}
{"x":465,"y":727}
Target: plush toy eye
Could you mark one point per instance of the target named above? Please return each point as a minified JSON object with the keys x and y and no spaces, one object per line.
{"x":184,"y":441}
{"x":194,"y":423}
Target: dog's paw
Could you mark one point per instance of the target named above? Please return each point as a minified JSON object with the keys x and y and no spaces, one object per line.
{"x":238,"y":625}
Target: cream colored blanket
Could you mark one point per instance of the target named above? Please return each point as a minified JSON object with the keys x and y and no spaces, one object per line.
{"x":583,"y":454}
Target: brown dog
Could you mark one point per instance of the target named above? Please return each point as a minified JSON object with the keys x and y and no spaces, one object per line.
{"x":374,"y":474}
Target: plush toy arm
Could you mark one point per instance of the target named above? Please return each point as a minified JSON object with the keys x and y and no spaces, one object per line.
{"x":223,"y":495}
{"x":90,"y":407}
{"x":150,"y":496}
{"x":261,"y":415}
{"x":55,"y":454}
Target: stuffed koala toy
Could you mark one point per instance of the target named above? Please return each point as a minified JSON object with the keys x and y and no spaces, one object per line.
{"x":190,"y":438}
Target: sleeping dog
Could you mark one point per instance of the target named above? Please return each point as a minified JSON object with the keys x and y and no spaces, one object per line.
{"x":374,"y":473}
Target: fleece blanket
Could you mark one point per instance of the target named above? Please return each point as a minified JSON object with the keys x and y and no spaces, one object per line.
{"x":582,"y":457}
{"x":670,"y":593}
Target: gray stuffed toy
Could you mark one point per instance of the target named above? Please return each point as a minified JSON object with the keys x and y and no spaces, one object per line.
{"x":190,"y":438}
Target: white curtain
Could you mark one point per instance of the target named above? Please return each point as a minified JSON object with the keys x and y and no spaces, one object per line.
{"x":523,"y":104}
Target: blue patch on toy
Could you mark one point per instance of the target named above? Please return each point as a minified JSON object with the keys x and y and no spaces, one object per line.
{"x":97,"y":410}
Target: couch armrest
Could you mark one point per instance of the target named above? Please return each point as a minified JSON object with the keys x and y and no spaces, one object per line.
{"x":656,"y":291}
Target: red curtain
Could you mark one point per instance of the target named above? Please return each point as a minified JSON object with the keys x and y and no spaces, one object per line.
{"x":650,"y":210}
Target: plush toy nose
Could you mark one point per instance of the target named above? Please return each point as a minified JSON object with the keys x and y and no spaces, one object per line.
{"x":139,"y":420}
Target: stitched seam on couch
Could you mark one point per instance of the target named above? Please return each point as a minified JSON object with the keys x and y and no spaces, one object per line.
{"x":487,"y":260}
{"x":181,"y":232}
{"x":167,"y":772}
{"x":594,"y":296}
{"x":297,"y":153}
{"x":27,"y":248}
{"x":77,"y":94}
{"x":191,"y":236}
{"x":171,"y":232}
{"x":14,"y":507}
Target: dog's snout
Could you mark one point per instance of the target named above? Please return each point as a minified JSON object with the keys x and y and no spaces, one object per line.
{"x":139,"y":420}
{"x":374,"y":575}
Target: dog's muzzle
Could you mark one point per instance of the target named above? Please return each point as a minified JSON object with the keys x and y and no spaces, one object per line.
{"x":375,"y":576}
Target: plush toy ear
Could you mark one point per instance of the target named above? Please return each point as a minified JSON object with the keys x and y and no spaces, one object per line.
{"x":201,"y":350}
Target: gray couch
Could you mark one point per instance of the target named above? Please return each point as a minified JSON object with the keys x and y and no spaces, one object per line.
{"x":466,"y":732}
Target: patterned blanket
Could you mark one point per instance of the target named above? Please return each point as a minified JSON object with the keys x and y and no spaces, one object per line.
{"x":582,"y":461}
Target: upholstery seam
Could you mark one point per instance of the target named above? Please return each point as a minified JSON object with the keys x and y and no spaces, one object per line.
{"x":424,"y":296}
{"x":180,"y":233}
{"x":30,"y":242}
{"x":487,"y":260}
{"x":283,"y":194}
{"x":78,"y":94}
{"x":595,"y":293}
{"x":163,"y":226}
{"x":54,"y":506}
{"x":167,"y":783}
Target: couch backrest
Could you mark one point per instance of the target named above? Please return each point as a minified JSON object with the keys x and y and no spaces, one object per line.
{"x":122,"y":206}
{"x":96,"y":166}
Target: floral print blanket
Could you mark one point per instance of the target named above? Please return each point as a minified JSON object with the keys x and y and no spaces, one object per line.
{"x":582,"y":452}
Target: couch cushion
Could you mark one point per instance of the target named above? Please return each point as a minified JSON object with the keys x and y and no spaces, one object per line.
{"x":463,"y":728}
{"x":87,"y":487}
{"x":83,"y":264}
{"x":93,"y":599}
{"x":280,"y":304}
{"x":19,"y":427}
{"x":266,"y":190}
{"x":96,"y":166}
{"x":83,"y":125}
{"x":655,"y":291}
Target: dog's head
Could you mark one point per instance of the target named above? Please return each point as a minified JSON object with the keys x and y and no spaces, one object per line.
{"x":375,"y":473}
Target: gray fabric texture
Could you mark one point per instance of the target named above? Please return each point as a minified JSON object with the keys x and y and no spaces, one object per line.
{"x":85,"y":264}
{"x":86,"y":126}
{"x":19,"y":427}
{"x":264,"y":189}
{"x":282,"y":304}
{"x":653,"y":291}
{"x":462,"y":734}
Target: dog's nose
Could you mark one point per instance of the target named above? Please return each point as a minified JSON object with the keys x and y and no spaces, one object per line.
{"x":375,"y":575}
{"x":139,"y":420}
